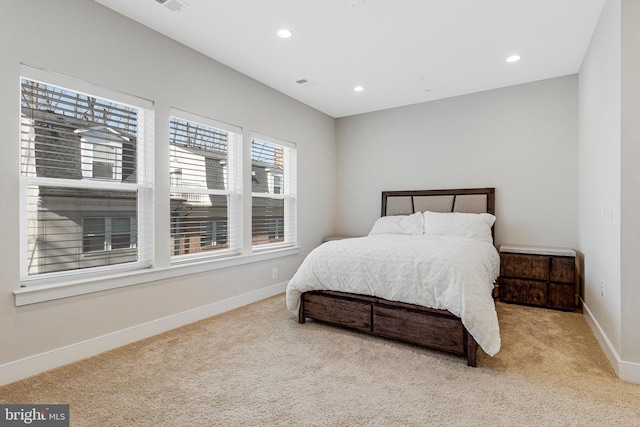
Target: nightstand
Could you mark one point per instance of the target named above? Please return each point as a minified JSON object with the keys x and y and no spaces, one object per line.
{"x":539,"y":276}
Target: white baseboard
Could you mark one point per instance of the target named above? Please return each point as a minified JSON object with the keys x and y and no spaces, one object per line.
{"x":32,"y":365}
{"x":626,"y":371}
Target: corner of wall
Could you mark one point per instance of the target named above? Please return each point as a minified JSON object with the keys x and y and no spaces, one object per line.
{"x":626,"y":371}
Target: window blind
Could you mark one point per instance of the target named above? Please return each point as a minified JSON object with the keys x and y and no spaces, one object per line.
{"x":205,"y":169}
{"x":273,"y":186}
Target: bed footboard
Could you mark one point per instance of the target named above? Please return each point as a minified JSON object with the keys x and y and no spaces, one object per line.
{"x":427,"y":327}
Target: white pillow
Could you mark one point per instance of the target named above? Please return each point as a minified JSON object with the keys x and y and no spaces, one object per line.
{"x":398,"y":224}
{"x":473,"y":225}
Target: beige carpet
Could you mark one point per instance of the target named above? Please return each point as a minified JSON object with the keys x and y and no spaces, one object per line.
{"x":256,"y":366}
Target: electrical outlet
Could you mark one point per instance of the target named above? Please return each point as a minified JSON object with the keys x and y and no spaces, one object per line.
{"x":274,"y":273}
{"x":602,"y":288}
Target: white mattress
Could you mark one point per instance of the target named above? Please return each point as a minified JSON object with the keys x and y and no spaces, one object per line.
{"x":443,"y":272}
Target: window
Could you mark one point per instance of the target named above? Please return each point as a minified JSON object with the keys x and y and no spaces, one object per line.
{"x":273,"y":190}
{"x":103,"y":164}
{"x":213,"y":234}
{"x":87,"y":190}
{"x":205,"y":170}
{"x":102,"y":150}
{"x":94,"y":235}
{"x":108,"y":234}
{"x":85,"y":173}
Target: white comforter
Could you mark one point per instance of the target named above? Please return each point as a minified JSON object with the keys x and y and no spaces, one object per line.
{"x":443,"y":272}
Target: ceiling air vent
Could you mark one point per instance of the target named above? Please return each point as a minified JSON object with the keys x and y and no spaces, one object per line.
{"x":304,"y":82}
{"x":173,"y":5}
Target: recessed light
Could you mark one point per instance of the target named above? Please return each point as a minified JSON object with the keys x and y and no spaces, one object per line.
{"x":358,"y":88}
{"x":513,"y":58}
{"x":284,"y":33}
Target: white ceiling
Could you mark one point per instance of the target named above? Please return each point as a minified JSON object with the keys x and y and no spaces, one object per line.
{"x":401,"y":51}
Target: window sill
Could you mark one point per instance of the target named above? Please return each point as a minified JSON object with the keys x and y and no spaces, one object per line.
{"x":42,"y":293}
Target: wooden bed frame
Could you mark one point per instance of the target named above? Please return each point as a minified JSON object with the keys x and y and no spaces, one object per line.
{"x":428,"y":327}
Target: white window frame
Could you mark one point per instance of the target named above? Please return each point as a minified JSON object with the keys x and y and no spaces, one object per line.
{"x":289,"y":195}
{"x":233,"y":190}
{"x":143,"y":187}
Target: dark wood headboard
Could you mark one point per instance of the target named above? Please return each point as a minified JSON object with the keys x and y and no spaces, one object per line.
{"x":474,"y":200}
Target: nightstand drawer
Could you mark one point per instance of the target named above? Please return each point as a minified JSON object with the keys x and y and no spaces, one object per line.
{"x":534,"y":267}
{"x":561,"y":295}
{"x":523,"y":291}
{"x":563,"y":270}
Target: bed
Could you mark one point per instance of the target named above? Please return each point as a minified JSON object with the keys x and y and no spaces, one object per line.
{"x":424,"y":275}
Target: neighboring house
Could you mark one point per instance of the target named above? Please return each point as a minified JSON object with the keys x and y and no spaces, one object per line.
{"x":199,"y":222}
{"x":267,"y":169}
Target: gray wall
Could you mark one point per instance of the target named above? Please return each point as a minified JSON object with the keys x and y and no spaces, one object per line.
{"x":84,"y":40}
{"x":600,"y":172}
{"x":609,"y":154}
{"x":630,"y":186}
{"x":523,"y":140}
